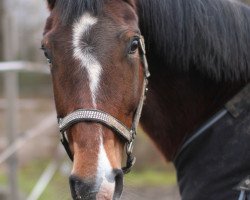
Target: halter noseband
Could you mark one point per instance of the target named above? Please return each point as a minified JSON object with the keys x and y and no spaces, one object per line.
{"x":98,"y":116}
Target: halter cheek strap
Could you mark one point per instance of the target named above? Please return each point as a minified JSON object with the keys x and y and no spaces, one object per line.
{"x":98,"y":116}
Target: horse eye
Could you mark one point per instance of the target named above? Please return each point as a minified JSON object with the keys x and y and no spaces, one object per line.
{"x":46,"y":54}
{"x":134,"y":46}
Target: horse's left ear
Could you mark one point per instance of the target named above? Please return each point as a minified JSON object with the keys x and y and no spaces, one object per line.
{"x":51,"y":4}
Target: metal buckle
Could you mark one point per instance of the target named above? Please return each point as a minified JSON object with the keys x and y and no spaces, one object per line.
{"x":130,"y":158}
{"x":130,"y":144}
{"x":130,"y":147}
{"x":244,"y":184}
{"x":129,"y":151}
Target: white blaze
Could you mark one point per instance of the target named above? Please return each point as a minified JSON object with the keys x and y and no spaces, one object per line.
{"x":83,"y":52}
{"x":105,"y":173}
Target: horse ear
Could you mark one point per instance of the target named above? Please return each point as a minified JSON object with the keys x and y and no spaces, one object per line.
{"x":51,"y":4}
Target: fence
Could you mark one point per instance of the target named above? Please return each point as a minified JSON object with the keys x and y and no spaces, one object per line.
{"x":11,"y":72}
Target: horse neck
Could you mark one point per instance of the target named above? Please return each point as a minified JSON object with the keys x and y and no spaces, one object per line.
{"x":178,"y":103}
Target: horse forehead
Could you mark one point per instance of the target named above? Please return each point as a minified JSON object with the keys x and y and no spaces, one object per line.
{"x":84,"y":24}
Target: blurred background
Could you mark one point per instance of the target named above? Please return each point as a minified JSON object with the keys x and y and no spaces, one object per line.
{"x":33,"y":165}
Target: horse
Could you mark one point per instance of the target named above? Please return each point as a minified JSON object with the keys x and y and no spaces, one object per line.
{"x":191,"y":80}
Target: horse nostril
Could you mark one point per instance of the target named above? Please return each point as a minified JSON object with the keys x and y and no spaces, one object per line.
{"x":80,"y":189}
{"x":118,"y":183}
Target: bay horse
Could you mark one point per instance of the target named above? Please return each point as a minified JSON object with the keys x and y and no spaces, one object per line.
{"x":197,"y":105}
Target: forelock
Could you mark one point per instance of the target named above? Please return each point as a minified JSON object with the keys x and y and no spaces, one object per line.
{"x":69,"y":10}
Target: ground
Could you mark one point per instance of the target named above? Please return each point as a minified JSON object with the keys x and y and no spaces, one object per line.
{"x":149,"y":193}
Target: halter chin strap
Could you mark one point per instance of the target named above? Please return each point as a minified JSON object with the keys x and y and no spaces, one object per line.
{"x":98,"y":116}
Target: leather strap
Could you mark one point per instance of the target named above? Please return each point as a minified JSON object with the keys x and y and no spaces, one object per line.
{"x":240,"y":102}
{"x":93,"y":115}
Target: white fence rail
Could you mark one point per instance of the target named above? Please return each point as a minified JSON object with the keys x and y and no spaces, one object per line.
{"x":30,"y":134}
{"x":23,"y":66}
{"x":10,"y":71}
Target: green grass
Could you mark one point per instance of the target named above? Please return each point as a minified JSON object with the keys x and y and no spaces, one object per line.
{"x":57,"y":188}
{"x":3,"y":179}
{"x":28,"y":176}
{"x":150,"y":178}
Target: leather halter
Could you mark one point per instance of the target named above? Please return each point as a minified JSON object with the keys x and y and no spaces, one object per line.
{"x":98,"y":116}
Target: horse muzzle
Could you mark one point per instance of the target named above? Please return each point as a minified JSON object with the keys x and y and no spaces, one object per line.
{"x":105,"y":188}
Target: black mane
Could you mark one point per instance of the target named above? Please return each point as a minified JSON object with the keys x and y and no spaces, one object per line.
{"x":213,"y":36}
{"x":72,"y":9}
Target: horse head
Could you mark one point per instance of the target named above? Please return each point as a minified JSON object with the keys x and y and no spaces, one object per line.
{"x":97,"y":62}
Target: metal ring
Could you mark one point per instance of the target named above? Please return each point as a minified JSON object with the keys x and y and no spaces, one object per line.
{"x":129,"y":148}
